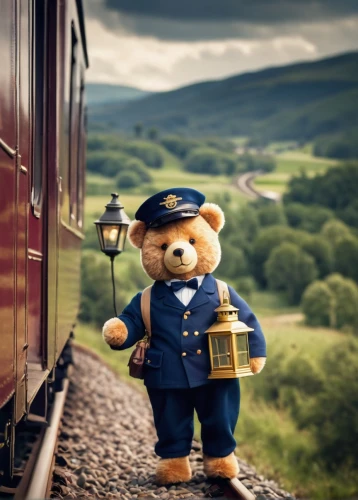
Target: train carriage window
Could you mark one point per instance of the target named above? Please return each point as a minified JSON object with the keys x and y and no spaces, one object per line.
{"x":73,"y":128}
{"x":38,"y":105}
{"x":80,"y":156}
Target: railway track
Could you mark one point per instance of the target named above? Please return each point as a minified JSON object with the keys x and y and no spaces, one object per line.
{"x":245,"y":184}
{"x":34,"y":480}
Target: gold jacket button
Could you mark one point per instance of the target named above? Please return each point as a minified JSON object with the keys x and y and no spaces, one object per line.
{"x":196,"y":334}
{"x":198,"y":351}
{"x":183,"y":353}
{"x":185,"y":334}
{"x":148,"y":361}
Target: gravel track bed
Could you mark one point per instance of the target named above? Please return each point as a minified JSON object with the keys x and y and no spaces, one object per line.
{"x":106,"y":444}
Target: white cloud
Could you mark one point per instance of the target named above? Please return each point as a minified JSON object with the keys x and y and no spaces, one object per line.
{"x":152,"y":64}
{"x":149,"y":63}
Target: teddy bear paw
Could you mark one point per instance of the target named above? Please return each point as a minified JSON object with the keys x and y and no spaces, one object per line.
{"x":257,"y":364}
{"x":173,"y":470}
{"x":114,"y":332}
{"x":225,"y":467}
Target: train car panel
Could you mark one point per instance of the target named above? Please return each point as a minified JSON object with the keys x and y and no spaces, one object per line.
{"x":7,"y":199}
{"x":71,"y":170}
{"x":23,"y":167}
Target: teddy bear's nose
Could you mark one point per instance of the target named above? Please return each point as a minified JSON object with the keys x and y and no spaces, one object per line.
{"x":178,"y":252}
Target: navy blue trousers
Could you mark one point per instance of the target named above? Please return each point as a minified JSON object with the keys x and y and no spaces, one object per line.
{"x":217,"y":405}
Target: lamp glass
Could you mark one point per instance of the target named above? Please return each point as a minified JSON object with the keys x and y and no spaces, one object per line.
{"x":242,"y":350}
{"x":221,"y":351}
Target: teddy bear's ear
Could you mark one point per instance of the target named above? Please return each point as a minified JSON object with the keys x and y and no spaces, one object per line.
{"x":136,"y":233}
{"x":213,"y":215}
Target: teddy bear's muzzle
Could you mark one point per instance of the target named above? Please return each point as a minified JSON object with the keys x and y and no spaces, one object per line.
{"x":180,"y":257}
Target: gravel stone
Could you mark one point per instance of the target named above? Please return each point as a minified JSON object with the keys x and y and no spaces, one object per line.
{"x":106,"y":444}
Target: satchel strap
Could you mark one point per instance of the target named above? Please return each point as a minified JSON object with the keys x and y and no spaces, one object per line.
{"x":145,"y":309}
{"x":222,"y":287}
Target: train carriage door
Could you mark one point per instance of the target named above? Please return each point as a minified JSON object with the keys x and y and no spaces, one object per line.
{"x":38,"y":204}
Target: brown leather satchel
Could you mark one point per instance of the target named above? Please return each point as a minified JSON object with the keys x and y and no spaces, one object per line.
{"x":136,"y":361}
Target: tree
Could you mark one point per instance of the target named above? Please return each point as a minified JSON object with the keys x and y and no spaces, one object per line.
{"x":138,"y":130}
{"x":291,"y":269}
{"x":136,"y":165}
{"x":267,"y":239}
{"x":322,"y":252}
{"x":308,"y":218}
{"x":151,"y":154}
{"x":346,"y":257}
{"x":153,"y":134}
{"x":206,"y":160}
{"x":332,"y":412}
{"x":346,"y":300}
{"x":128,"y":179}
{"x":271,"y":215}
{"x":318,"y":304}
{"x":334,"y":229}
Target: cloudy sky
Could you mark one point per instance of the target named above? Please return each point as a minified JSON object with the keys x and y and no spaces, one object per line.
{"x":163,"y":44}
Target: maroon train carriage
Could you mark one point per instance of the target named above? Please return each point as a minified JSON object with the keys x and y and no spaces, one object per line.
{"x":42,"y":148}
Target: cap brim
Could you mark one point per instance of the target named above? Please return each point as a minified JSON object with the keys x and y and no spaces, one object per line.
{"x":169,"y":217}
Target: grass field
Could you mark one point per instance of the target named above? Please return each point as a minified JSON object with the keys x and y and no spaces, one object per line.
{"x":290,"y":163}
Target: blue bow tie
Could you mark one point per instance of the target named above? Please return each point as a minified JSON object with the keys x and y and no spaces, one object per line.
{"x":178,"y":285}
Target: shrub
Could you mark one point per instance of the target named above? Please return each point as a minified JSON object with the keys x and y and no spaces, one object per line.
{"x":128,"y":179}
{"x":318,"y":304}
{"x":291,"y":269}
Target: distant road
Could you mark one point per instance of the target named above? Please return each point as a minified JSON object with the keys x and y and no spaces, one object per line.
{"x":245,"y":184}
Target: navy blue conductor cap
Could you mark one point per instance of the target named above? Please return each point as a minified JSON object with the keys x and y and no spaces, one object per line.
{"x":169,"y":205}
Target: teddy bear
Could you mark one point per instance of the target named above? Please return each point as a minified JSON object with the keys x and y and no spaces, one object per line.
{"x":177,"y":234}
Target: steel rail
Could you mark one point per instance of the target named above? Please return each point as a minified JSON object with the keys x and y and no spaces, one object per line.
{"x":43,"y":469}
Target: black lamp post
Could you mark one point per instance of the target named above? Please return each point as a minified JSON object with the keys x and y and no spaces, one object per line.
{"x":112,"y":229}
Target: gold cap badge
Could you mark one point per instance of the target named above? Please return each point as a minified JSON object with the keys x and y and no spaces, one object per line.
{"x":170,"y":201}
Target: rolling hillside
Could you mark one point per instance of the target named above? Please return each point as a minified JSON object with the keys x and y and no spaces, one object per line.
{"x":299,"y":101}
{"x":100,"y":93}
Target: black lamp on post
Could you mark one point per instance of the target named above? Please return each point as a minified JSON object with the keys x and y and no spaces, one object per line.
{"x":112,"y":229}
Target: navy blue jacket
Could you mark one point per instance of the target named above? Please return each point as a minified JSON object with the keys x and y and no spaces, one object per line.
{"x":165,"y":365}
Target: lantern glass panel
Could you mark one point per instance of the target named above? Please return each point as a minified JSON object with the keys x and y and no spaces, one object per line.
{"x":242,"y":350}
{"x":122,"y":237}
{"x":110,"y":236}
{"x":221,"y":351}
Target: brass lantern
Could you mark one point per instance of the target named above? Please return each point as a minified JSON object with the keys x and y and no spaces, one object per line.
{"x":229,"y":343}
{"x":112,"y":227}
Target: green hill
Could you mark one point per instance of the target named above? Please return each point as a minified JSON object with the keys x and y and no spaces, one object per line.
{"x":100,"y":93}
{"x":299,"y":101}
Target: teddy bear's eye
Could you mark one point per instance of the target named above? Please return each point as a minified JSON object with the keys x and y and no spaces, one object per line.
{"x":192,"y":241}
{"x":164,"y":246}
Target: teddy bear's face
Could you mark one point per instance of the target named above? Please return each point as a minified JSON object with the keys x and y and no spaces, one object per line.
{"x":180,"y":249}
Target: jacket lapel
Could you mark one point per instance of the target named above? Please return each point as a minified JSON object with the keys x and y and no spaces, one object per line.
{"x":207,"y":288}
{"x":201,"y":297}
{"x":162,"y":291}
